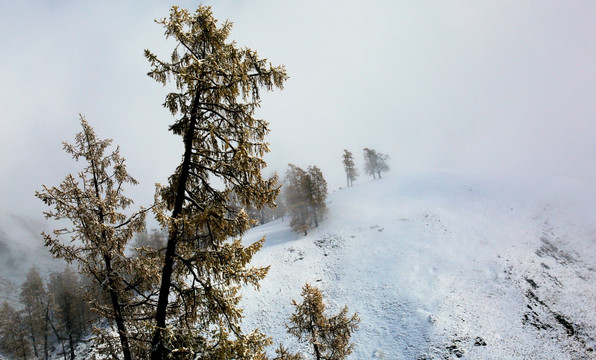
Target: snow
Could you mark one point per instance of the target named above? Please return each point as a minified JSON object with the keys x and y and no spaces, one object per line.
{"x":441,"y":264}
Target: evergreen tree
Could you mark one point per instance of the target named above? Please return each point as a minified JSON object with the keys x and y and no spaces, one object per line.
{"x":305,"y":194}
{"x":93,"y":202}
{"x":296,"y":199}
{"x":350,"y":168}
{"x":280,"y":210}
{"x":218,"y":89}
{"x":329,"y":337}
{"x":34,"y":299}
{"x":317,"y":192}
{"x":14,"y":341}
{"x":64,"y":287}
{"x":375,"y":163}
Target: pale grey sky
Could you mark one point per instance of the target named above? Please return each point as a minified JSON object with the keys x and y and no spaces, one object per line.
{"x":504,"y":85}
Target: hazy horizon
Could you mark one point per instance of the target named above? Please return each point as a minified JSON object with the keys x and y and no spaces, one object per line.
{"x":502,"y":86}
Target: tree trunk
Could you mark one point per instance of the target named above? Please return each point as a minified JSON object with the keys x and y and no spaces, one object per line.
{"x":158,"y":349}
{"x":317,"y":353}
{"x":32,"y":329}
{"x":23,"y":348}
{"x":314,"y":340}
{"x":46,"y":331}
{"x":57,"y":336}
{"x":118,"y":317}
{"x":110,"y":274}
{"x":71,"y":344}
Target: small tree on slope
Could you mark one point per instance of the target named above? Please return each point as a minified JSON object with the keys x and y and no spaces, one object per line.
{"x":281,"y":353}
{"x":218,"y":90}
{"x":329,"y":337}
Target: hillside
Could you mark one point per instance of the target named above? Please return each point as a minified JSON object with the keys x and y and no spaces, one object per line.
{"x":438,"y":265}
{"x":444,"y":265}
{"x":21,"y":247}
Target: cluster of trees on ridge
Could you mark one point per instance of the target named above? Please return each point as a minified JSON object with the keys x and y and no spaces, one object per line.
{"x":375,"y":163}
{"x":181,"y":300}
{"x":304,"y":197}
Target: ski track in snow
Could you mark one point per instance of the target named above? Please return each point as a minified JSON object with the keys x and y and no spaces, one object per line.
{"x":443,"y":265}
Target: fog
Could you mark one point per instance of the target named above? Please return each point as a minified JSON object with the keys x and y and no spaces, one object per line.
{"x":505,"y":86}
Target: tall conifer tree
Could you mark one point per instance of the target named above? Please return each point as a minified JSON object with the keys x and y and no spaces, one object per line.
{"x":218,"y":89}
{"x":94,"y":202}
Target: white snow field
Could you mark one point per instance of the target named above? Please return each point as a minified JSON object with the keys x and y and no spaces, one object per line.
{"x":441,"y":265}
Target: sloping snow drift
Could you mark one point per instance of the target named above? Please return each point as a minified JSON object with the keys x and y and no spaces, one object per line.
{"x":443,"y":265}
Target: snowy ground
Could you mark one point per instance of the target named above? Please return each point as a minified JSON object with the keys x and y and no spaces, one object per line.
{"x":443,"y":265}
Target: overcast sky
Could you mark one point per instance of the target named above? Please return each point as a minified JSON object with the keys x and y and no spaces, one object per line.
{"x":503,"y":85}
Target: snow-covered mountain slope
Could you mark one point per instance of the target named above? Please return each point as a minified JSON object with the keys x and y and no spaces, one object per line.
{"x":444,"y":265}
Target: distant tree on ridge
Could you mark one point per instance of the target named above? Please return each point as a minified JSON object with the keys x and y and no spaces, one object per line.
{"x":349,"y":167}
{"x":375,"y":163}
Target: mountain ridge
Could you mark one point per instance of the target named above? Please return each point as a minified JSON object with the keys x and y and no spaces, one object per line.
{"x":442,"y":264}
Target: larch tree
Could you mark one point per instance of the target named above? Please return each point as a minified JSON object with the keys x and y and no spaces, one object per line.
{"x":375,"y":163}
{"x":94,"y":204}
{"x":382,"y":165}
{"x":296,"y":199}
{"x":317,"y":192}
{"x":328,"y":336}
{"x":218,"y":90}
{"x":63,"y":287}
{"x":280,"y":209}
{"x":34,"y":298}
{"x":13,"y":333}
{"x":349,"y":167}
{"x":305,"y":193}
